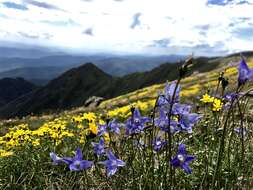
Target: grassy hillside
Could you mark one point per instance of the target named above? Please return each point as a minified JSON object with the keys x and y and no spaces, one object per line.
{"x":192,"y":88}
{"x":74,"y":87}
{"x":221,"y":155}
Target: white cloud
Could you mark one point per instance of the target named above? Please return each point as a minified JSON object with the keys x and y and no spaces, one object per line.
{"x":188,"y":24}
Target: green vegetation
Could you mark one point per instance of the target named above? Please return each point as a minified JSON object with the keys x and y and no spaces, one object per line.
{"x":199,"y":137}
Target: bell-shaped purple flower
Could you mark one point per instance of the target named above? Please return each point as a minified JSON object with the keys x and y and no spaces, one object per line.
{"x":162,"y":122}
{"x":136,"y":123}
{"x":168,"y":94}
{"x":182,"y":159}
{"x":102,"y":129}
{"x":99,"y":148}
{"x":77,"y":163}
{"x":114,"y":126}
{"x":158,"y":143}
{"x":245,"y":73}
{"x":188,"y":120}
{"x":179,"y":109}
{"x":112,"y":163}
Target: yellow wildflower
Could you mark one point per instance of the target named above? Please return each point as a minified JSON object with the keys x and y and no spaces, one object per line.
{"x":78,"y":119}
{"x":217,"y":105}
{"x":207,"y":98}
{"x":89,"y":116}
{"x":36,"y":142}
{"x":93,"y":128}
{"x":4,"y":153}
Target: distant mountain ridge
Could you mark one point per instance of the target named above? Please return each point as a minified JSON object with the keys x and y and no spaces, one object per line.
{"x":72,"y":88}
{"x":38,"y":76}
{"x":111,"y":64}
{"x":10,"y":89}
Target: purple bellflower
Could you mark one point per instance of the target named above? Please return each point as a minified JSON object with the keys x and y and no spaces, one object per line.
{"x":158,"y":144}
{"x":99,"y":148}
{"x":162,"y":122}
{"x":245,"y":73}
{"x":102,"y":129}
{"x":168,"y":94}
{"x":136,"y":123}
{"x":182,"y":159}
{"x":112,"y":163}
{"x":77,"y":163}
{"x":188,"y":120}
{"x":114,"y":126}
{"x":181,"y":109}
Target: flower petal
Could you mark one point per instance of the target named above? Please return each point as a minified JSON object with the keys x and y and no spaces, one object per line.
{"x":120,"y":163}
{"x":110,"y":155}
{"x":182,"y":149}
{"x":186,"y":168}
{"x":137,"y":113}
{"x":111,"y":171}
{"x":85,"y":164}
{"x":74,"y":167}
{"x":175,"y":162}
{"x":56,"y":159}
{"x":67,"y":160}
{"x":79,"y":154}
{"x":189,"y":158}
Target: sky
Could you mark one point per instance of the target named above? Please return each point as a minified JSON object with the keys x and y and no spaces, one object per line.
{"x":151,"y":27}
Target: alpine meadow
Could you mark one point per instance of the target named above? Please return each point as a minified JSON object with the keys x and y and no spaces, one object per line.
{"x":121,"y":95}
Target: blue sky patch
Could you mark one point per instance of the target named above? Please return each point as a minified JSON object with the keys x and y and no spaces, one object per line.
{"x":12,"y":5}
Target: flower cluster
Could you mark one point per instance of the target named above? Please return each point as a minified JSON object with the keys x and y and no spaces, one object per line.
{"x":164,"y":134}
{"x":216,"y":103}
{"x":77,"y":163}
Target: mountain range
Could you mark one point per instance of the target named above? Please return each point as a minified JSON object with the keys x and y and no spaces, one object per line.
{"x":75,"y":86}
{"x":72,"y":88}
{"x":41,"y":70}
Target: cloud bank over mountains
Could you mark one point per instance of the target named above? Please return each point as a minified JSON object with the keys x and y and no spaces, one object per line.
{"x":210,"y":27}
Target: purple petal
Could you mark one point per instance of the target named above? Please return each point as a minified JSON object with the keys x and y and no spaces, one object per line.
{"x":56,"y":159}
{"x":193,"y":118}
{"x":102,"y":141}
{"x":182,"y":149}
{"x":189,"y":158}
{"x":181,"y":108}
{"x":137,"y":113}
{"x":85,"y":164}
{"x":170,"y":91}
{"x":146,"y":119}
{"x":67,"y":160}
{"x":111,"y":171}
{"x":243,"y":65}
{"x":186,"y":168}
{"x":244,"y":72}
{"x":120,"y":163}
{"x":79,"y":155}
{"x":73,"y":167}
{"x":110,"y":155}
{"x":175,"y":162}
